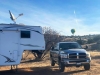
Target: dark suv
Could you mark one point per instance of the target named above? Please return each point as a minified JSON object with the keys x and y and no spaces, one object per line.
{"x":69,"y":54}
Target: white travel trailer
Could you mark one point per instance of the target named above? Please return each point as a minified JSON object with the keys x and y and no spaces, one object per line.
{"x":14,"y":39}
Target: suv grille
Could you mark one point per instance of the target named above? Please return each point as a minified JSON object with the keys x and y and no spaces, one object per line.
{"x":77,"y":61}
{"x":77,"y":55}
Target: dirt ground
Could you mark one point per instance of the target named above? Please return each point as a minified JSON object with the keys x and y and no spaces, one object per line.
{"x":43,"y":67}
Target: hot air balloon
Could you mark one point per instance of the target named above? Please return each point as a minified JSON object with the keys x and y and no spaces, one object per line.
{"x":72,"y":31}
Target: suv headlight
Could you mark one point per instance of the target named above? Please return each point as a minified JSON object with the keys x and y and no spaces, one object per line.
{"x":63,"y":55}
{"x":88,"y":55}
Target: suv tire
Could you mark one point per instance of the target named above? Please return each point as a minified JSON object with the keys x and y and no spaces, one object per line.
{"x":52,"y":62}
{"x":61,"y":67}
{"x":87,"y":67}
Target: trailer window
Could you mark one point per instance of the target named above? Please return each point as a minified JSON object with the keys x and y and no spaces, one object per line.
{"x":25,"y":34}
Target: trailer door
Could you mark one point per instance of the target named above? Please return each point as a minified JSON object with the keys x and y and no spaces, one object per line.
{"x":9,"y":46}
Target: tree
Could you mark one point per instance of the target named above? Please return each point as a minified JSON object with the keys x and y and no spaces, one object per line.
{"x":96,"y":38}
{"x":51,"y":37}
{"x":90,"y":41}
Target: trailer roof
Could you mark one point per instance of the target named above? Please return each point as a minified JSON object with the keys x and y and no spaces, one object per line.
{"x":17,"y":24}
{"x":18,"y":27}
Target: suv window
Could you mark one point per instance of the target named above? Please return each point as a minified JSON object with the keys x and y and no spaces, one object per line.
{"x":55,"y":47}
{"x":64,"y":46}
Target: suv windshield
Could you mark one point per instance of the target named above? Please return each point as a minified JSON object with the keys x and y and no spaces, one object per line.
{"x":64,"y":46}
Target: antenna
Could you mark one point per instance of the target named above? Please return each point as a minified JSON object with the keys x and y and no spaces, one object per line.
{"x":13,"y":17}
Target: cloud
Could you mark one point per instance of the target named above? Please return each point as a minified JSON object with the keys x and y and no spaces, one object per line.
{"x":62,"y":25}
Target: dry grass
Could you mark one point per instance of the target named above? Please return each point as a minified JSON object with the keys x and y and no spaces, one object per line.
{"x":44,"y":68}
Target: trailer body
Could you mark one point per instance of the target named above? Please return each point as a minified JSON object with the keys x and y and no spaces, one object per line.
{"x":14,"y":39}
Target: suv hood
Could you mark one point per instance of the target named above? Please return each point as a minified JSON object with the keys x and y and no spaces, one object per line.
{"x":74,"y":51}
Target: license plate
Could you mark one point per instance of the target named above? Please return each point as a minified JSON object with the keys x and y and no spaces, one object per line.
{"x":78,"y":63}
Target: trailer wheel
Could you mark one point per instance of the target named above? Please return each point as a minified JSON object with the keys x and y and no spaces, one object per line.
{"x":87,"y":67}
{"x":61,"y":66}
{"x":52,"y":62}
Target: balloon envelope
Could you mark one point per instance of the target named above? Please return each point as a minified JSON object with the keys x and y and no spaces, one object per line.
{"x":72,"y":31}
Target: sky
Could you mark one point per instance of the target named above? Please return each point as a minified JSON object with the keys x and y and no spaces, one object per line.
{"x":60,"y":15}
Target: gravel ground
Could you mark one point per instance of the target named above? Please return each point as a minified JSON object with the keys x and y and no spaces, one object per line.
{"x":42,"y":67}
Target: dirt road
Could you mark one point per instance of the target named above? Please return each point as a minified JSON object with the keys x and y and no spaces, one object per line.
{"x":44,"y":68}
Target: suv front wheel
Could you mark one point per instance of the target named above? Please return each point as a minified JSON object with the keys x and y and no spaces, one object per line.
{"x":87,"y":66}
{"x":61,"y":66}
